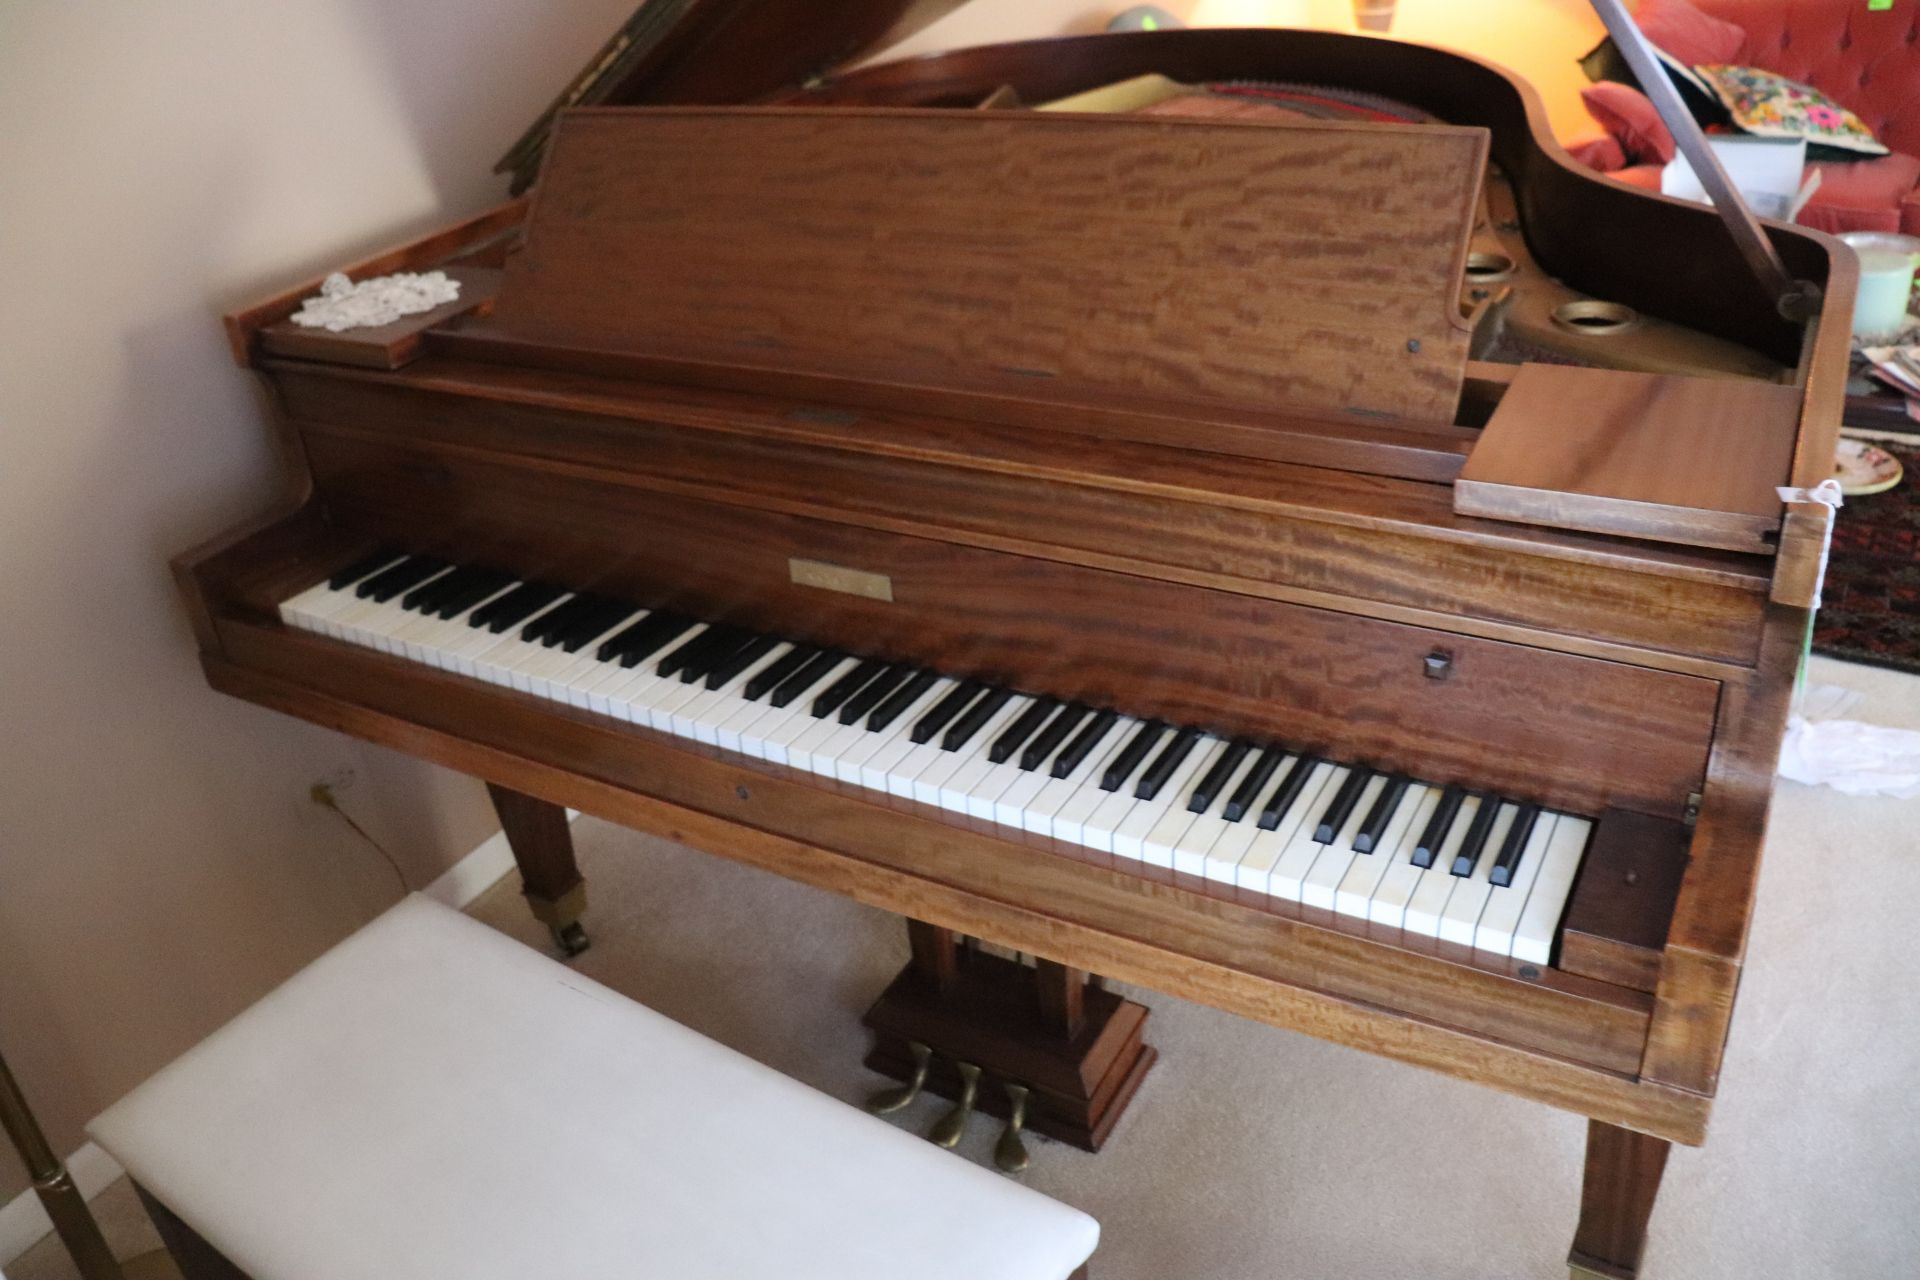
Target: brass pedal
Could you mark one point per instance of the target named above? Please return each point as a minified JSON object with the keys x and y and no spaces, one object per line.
{"x":888,"y":1101}
{"x":1010,"y":1153}
{"x":948,"y":1128}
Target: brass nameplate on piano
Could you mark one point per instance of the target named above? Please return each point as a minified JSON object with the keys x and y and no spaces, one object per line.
{"x":835,"y":577}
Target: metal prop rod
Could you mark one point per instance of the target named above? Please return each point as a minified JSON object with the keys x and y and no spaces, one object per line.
{"x":54,"y":1185}
{"x":1796,"y":300}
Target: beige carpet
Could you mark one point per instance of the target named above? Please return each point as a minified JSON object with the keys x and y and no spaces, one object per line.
{"x":1258,"y":1154}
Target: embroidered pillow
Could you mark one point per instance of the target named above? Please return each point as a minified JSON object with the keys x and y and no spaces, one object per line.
{"x":1772,"y":106}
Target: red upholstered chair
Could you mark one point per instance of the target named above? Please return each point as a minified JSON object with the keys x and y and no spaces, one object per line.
{"x":1867,"y":61}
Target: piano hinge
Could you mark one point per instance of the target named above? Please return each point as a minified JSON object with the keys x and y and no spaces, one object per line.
{"x":1692,"y":815}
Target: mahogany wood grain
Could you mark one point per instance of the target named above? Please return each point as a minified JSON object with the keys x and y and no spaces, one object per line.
{"x":1663,"y":257}
{"x":1155,"y":947}
{"x":1375,"y":445}
{"x":1554,"y":1012}
{"x":1621,"y":909}
{"x":383,"y":346}
{"x":1064,"y":257}
{"x":1062,"y":994}
{"x":1706,"y":944}
{"x":542,"y":844}
{"x":1641,"y":455}
{"x":1568,"y":731}
{"x":449,"y":243}
{"x":1623,"y":1172}
{"x":1358,"y":543}
{"x":936,"y":955}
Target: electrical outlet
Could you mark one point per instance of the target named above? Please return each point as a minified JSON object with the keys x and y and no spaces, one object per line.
{"x":328,"y":788}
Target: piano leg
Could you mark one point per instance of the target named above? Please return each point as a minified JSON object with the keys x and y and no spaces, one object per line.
{"x":1616,"y":1199}
{"x":542,"y":845}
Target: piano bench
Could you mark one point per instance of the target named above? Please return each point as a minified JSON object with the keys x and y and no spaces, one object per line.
{"x":430,"y":1099}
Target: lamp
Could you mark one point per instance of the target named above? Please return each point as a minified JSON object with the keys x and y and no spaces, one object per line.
{"x":1373,"y":15}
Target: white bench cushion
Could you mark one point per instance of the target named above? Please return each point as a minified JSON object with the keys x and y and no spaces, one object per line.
{"x":430,"y":1099}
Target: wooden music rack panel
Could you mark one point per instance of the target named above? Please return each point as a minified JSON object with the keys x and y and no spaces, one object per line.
{"x":1059,"y":258}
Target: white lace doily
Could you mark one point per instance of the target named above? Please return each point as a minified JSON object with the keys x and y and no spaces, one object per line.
{"x":341,"y":304}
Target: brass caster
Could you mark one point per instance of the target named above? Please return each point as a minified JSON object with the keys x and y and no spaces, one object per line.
{"x":888,"y":1101}
{"x":947,"y":1130}
{"x":1010,"y":1153}
{"x":572,"y":939}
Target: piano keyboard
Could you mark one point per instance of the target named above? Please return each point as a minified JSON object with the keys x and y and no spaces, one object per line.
{"x":1438,"y":861}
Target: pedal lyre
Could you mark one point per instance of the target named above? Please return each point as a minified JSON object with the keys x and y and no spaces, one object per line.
{"x":947,"y":1129}
{"x":888,"y":1101}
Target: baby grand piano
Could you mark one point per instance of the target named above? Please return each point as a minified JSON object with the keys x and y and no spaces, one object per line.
{"x":1161,"y":546}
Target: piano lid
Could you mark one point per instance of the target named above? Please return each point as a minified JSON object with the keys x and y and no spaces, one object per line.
{"x":710,"y":52}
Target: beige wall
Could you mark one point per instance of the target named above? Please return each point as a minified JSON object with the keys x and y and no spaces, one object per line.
{"x":160,"y":861}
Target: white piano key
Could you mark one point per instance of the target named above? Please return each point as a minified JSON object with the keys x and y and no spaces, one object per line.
{"x":877,"y":765}
{"x":988,"y":781}
{"x":1504,"y":906}
{"x":1287,"y":879}
{"x":505,"y":662}
{"x":1429,"y":900}
{"x":1389,"y":903}
{"x":433,"y":644}
{"x":1223,"y":858}
{"x":1209,"y":828}
{"x":786,"y":725}
{"x":1264,"y":851}
{"x":557,"y":683}
{"x":1470,"y":893}
{"x":1112,"y":807}
{"x":1044,"y":804}
{"x":1156,"y":839}
{"x":957,"y":789}
{"x":721,"y":704}
{"x":1369,"y":870}
{"x":1540,"y":920}
{"x":1322,"y":882}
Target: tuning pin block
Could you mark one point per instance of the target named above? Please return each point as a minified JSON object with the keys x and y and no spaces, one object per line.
{"x":947,"y":1130}
{"x":888,"y":1101}
{"x":1010,"y":1153}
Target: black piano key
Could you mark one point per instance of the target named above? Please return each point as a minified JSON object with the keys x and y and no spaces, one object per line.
{"x":1367,"y":839}
{"x":769,"y":679}
{"x":876,"y":692}
{"x":1287,"y":792}
{"x":512,"y":608}
{"x":1083,"y":742}
{"x":644,"y":638}
{"x":713,"y":648}
{"x":699,"y":653}
{"x":1467,"y":856}
{"x":976,"y":717}
{"x":565,"y":623}
{"x":1165,"y":763}
{"x":1024,"y":726}
{"x":1132,"y":754}
{"x":1504,"y":866}
{"x":836,"y":694}
{"x":486,"y":582}
{"x":1249,"y":789}
{"x":1336,"y":813}
{"x":895,"y":704}
{"x":592,"y":623}
{"x":426,"y":597}
{"x":409,"y":573}
{"x":538,"y":629}
{"x":363,"y":568}
{"x":809,"y":674}
{"x":943,"y":711}
{"x":1437,"y":826}
{"x":1218,"y":776}
{"x":743,"y":657}
{"x":1049,"y":739}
